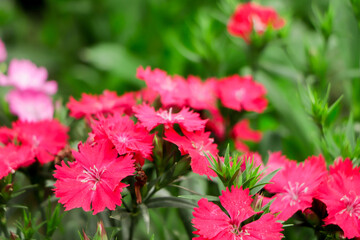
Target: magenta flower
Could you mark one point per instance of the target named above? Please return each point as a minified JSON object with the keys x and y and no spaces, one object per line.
{"x":92,"y":182}
{"x":187,"y":119}
{"x":212,"y":223}
{"x":45,"y":138}
{"x":25,"y":75}
{"x":216,"y":123}
{"x":107,"y":103}
{"x":173,"y":90}
{"x":196,"y":144}
{"x":341,"y":194}
{"x":30,"y":105}
{"x":242,"y":93}
{"x":125,"y":135}
{"x":3,"y":53}
{"x":251,"y":17}
{"x":13,"y":157}
{"x":296,"y":185}
{"x":202,"y":95}
{"x":242,"y":132}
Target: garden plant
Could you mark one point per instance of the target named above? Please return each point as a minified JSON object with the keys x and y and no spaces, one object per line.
{"x":206,"y":120}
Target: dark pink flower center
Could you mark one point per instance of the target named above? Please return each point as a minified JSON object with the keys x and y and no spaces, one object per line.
{"x":294,"y":191}
{"x":352,"y":205}
{"x":167,"y":115}
{"x":92,"y":175}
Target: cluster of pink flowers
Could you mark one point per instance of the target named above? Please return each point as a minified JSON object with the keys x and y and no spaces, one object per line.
{"x":30,"y":97}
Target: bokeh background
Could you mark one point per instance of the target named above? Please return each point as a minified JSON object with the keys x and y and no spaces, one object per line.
{"x":88,"y":46}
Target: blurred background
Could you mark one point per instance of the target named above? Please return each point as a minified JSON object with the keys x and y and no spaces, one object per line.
{"x":88,"y":46}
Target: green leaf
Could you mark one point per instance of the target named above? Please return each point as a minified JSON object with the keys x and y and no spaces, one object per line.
{"x":198,"y":197}
{"x":350,"y":132}
{"x":172,"y":202}
{"x":145,"y":216}
{"x":263,"y":182}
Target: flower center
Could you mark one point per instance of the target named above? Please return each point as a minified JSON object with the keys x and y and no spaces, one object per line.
{"x":92,"y":175}
{"x":352,"y":205}
{"x":167,"y":115}
{"x":237,"y":231}
{"x":122,"y":138}
{"x":239,"y":94}
{"x":294,"y":191}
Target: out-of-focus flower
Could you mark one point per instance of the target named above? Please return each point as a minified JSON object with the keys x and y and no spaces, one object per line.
{"x":173,"y":90}
{"x":251,"y":17}
{"x":125,"y":135}
{"x":242,"y":93}
{"x":216,"y":123}
{"x":107,"y":103}
{"x":187,"y":119}
{"x":296,"y":185}
{"x":93,"y":180}
{"x":341,"y":194}
{"x":242,"y":132}
{"x":30,"y":105}
{"x":3,"y":53}
{"x":25,"y":75}
{"x":196,"y":144}
{"x":212,"y":223}
{"x":13,"y":157}
{"x":202,"y":95}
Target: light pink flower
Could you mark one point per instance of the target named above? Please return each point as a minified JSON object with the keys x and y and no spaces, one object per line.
{"x":92,"y":182}
{"x":25,"y":75}
{"x":30,"y":105}
{"x":212,"y":223}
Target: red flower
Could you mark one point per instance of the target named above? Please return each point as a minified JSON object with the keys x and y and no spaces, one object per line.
{"x":296,"y":185}
{"x":251,"y":17}
{"x":202,"y":95}
{"x":125,"y":135}
{"x":108,"y":102}
{"x":242,"y":132}
{"x":214,"y":224}
{"x":216,"y":123}
{"x":240,"y":93}
{"x":341,"y":194}
{"x":13,"y":157}
{"x":173,"y":90}
{"x":93,"y":180}
{"x":195,"y":144}
{"x":187,"y":119}
{"x":46,"y":138}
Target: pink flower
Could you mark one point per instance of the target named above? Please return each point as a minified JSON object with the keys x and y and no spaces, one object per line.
{"x":93,"y":180}
{"x":214,"y":224}
{"x":251,"y":17}
{"x":3,"y":53}
{"x":341,"y":194}
{"x":202,"y":95}
{"x":45,"y":138}
{"x":216,"y":123}
{"x":296,"y":185}
{"x":242,"y":93}
{"x":13,"y":157}
{"x":125,"y":135}
{"x":30,"y":105}
{"x":196,"y":144}
{"x":253,"y":158}
{"x":242,"y":132}
{"x":150,"y":118}
{"x":146,"y":95}
{"x":107,"y":103}
{"x":25,"y":75}
{"x":173,"y":90}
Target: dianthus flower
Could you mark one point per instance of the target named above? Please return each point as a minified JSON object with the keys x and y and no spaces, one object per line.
{"x":251,"y":157}
{"x":296,"y":185}
{"x":341,"y":194}
{"x":212,"y":223}
{"x":251,"y":17}
{"x":125,"y":135}
{"x":242,"y":93}
{"x":242,"y":132}
{"x":216,"y":123}
{"x":202,"y":95}
{"x":45,"y":138}
{"x":30,"y":105}
{"x":187,"y":119}
{"x":25,"y":75}
{"x":173,"y":90}
{"x":107,"y":103}
{"x":93,"y":180}
{"x":196,"y":144}
{"x":3,"y":53}
{"x":13,"y":157}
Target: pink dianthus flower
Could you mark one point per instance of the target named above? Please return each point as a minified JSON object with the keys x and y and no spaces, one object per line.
{"x":242,"y":132}
{"x":3,"y":53}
